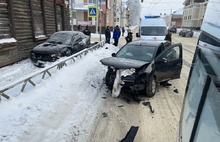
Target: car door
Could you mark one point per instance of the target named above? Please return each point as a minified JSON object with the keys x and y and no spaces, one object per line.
{"x":168,"y":64}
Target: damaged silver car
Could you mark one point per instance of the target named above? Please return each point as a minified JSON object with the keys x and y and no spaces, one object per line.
{"x":139,"y":65}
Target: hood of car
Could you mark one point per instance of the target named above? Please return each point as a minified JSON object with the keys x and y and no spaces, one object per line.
{"x":122,"y":63}
{"x":47,"y":47}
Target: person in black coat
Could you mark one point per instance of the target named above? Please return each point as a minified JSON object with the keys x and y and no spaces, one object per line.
{"x":129,"y":37}
{"x":168,"y":36}
{"x":123,"y":31}
{"x":87,"y":31}
{"x":107,"y":35}
{"x":79,"y":28}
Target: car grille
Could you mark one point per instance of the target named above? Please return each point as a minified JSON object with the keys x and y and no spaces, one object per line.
{"x":42,"y":57}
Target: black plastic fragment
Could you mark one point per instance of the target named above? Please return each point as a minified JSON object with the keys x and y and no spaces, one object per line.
{"x":176,"y":91}
{"x":130,"y":134}
{"x":105,"y":114}
{"x":148,"y":103}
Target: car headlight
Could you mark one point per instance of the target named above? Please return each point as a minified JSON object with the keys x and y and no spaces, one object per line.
{"x":53,"y":55}
{"x":132,"y":70}
{"x":111,"y":67}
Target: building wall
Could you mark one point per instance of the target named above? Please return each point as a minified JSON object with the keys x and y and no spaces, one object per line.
{"x":31,"y":23}
{"x":177,"y":22}
{"x":193,"y":15}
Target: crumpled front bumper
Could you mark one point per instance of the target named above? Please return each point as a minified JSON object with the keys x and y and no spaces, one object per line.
{"x":132,"y":82}
{"x":126,"y":78}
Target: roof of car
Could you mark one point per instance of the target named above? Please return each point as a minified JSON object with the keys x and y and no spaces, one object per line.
{"x":147,"y":42}
{"x":69,"y":32}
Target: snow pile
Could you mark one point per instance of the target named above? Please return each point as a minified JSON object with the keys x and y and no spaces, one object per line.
{"x":7,"y":40}
{"x":61,"y":108}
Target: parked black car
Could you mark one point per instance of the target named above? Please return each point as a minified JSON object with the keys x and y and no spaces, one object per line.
{"x":63,"y":43}
{"x":172,"y":29}
{"x":140,"y":64}
{"x":186,"y":33}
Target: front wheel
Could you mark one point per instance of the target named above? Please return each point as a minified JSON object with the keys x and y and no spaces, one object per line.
{"x":110,"y":78}
{"x":150,"y":88}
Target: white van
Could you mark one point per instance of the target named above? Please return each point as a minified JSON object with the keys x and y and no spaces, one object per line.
{"x":200,"y":117}
{"x":152,"y":28}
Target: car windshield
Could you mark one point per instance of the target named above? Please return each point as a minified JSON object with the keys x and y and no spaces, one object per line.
{"x":60,"y":38}
{"x":153,"y":31}
{"x":137,"y":52}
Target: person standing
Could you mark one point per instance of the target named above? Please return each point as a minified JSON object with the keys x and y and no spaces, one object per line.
{"x":129,"y":37}
{"x":116,"y":35}
{"x":168,"y":36}
{"x":123,"y":31}
{"x":87,"y":31}
{"x":107,"y":35}
{"x":79,"y":28}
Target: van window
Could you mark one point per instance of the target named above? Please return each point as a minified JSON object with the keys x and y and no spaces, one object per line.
{"x":153,"y":31}
{"x":208,"y":39}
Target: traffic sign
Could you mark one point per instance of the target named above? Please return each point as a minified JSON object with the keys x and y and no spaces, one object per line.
{"x":93,"y":11}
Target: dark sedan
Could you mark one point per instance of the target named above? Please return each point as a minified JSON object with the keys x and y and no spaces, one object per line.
{"x":140,"y":64}
{"x":186,"y":33}
{"x":63,"y":43}
{"x":172,"y":29}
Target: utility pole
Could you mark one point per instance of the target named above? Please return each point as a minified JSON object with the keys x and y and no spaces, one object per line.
{"x":71,"y":8}
{"x":96,"y":25}
{"x":100,"y":22}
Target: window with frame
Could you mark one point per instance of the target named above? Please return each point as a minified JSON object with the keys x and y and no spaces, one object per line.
{"x":59,"y":18}
{"x":93,"y":1}
{"x":172,"y":54}
{"x":4,"y":20}
{"x":38,"y":19}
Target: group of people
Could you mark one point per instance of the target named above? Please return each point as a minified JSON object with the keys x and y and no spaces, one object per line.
{"x":117,"y":34}
{"x":86,"y":31}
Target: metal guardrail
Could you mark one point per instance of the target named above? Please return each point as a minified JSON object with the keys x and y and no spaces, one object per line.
{"x":45,"y":71}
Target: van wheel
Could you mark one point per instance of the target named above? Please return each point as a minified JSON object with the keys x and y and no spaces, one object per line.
{"x":150,"y":88}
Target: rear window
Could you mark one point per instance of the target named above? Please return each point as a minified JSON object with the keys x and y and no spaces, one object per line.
{"x":61,"y":38}
{"x":153,"y":31}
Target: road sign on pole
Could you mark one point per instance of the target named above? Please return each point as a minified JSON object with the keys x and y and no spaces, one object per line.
{"x":93,"y":11}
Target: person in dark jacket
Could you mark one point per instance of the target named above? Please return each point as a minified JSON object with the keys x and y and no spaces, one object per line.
{"x":168,"y":36}
{"x":87,"y":31}
{"x":123,"y":31}
{"x":116,"y":35}
{"x":107,"y":35}
{"x":79,"y":28}
{"x":129,"y":37}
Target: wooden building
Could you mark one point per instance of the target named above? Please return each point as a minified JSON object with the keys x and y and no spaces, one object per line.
{"x":26,"y":23}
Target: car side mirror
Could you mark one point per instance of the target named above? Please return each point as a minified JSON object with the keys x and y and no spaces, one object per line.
{"x":137,"y":35}
{"x":113,"y":55}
